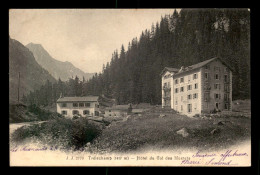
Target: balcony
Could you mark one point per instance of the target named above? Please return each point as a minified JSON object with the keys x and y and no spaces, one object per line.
{"x":207,"y":87}
{"x":167,"y":97}
{"x":227,"y":100}
{"x":226,"y":88}
{"x":166,"y":88}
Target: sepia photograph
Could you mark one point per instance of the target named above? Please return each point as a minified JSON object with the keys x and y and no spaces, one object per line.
{"x":130,"y":87}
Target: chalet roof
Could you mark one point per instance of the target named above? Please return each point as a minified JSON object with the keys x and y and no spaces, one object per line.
{"x":118,"y":107}
{"x":170,"y":69}
{"x":78,"y":99}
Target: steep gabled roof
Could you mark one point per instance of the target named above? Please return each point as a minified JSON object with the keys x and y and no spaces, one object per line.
{"x":169,"y":69}
{"x":78,"y":99}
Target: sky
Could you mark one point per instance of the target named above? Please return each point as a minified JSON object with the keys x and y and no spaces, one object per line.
{"x":85,"y":37}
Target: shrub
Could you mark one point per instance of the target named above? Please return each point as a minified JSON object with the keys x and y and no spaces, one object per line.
{"x":196,"y":115}
{"x":64,"y":133}
{"x":43,"y":114}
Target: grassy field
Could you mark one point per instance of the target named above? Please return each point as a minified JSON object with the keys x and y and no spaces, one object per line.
{"x":150,"y":129}
{"x":155,"y":128}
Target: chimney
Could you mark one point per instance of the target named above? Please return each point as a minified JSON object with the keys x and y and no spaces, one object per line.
{"x":61,"y":95}
{"x":181,"y":69}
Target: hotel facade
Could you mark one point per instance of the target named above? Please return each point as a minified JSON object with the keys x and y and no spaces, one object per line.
{"x":199,"y":88}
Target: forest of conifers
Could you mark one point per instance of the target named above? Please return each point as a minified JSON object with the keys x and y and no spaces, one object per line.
{"x":179,"y":39}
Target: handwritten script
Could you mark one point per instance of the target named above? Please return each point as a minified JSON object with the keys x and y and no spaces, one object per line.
{"x":26,"y":148}
{"x":225,"y":158}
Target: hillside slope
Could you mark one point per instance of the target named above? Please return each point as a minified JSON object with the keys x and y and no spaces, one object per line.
{"x":58,"y":69}
{"x":32,"y":75}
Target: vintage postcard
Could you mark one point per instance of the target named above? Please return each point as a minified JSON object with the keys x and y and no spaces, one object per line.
{"x":130,"y":87}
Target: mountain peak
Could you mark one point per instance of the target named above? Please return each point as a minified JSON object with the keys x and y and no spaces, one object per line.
{"x":58,"y":69}
{"x":34,"y":45}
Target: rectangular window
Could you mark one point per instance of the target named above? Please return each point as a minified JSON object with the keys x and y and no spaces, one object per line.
{"x":182,"y":89}
{"x":206,"y":75}
{"x":176,"y":81}
{"x":64,"y":105}
{"x":226,"y":69}
{"x":195,"y":76}
{"x":196,"y":86}
{"x":189,"y":97}
{"x":195,"y":96}
{"x":217,"y":96}
{"x":189,"y":87}
{"x":216,"y":76}
{"x":226,"y":105}
{"x":75,"y":104}
{"x":81,"y":104}
{"x":176,"y":90}
{"x":207,"y":67}
{"x":225,"y":78}
{"x":182,"y":80}
{"x":217,"y":86}
{"x":96,"y":113}
{"x":96,"y":105}
{"x":87,"y":104}
{"x":189,"y":108}
{"x":86,"y":112}
{"x":75,"y":112}
{"x":206,"y":96}
{"x":176,"y":102}
{"x":64,"y":112}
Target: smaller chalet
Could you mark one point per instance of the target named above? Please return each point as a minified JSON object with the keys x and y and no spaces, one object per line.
{"x":117,"y":110}
{"x":87,"y":106}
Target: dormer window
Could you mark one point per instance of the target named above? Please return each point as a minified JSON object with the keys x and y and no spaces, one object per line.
{"x":216,"y":68}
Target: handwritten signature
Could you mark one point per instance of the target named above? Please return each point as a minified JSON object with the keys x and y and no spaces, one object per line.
{"x":26,"y":148}
{"x":215,"y":159}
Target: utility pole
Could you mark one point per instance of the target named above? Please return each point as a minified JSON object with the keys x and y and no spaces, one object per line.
{"x":18,"y":86}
